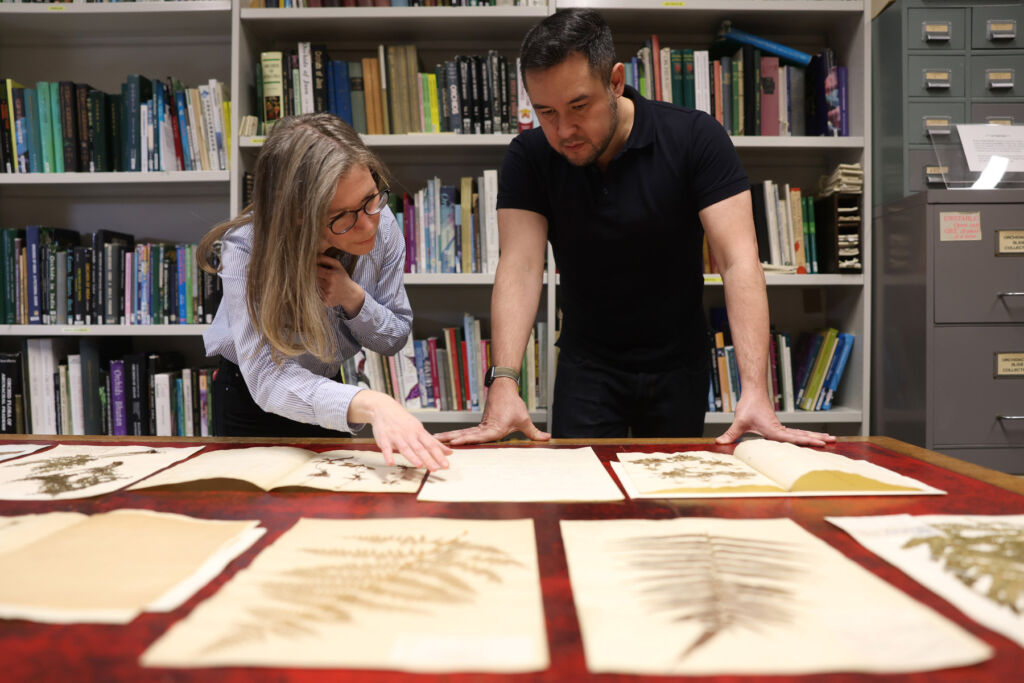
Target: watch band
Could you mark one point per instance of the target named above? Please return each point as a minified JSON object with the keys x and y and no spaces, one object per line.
{"x":496,"y":371}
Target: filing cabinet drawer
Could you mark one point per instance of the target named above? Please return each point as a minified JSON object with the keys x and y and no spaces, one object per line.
{"x":975,"y":278}
{"x":997,"y":76}
{"x":1006,"y":113}
{"x":1009,"y":460}
{"x":972,"y":406}
{"x":925,"y":172}
{"x":939,"y":116}
{"x":935,"y":76}
{"x":935,"y":29}
{"x":996,"y":26}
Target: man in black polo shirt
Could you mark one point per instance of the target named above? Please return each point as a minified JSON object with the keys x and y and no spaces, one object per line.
{"x":624,"y":189}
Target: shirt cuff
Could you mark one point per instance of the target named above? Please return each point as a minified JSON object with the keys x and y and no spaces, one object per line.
{"x":330,"y":405}
{"x":368,"y":321}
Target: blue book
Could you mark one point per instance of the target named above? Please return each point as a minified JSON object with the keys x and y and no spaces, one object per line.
{"x":472,"y":358}
{"x":803,"y":372}
{"x":332,"y":98}
{"x":419,"y":348}
{"x":342,"y":94}
{"x":731,"y":35}
{"x":179,"y":403}
{"x":448,"y":235}
{"x":182,"y":112}
{"x":836,"y":371}
{"x":451,"y":75}
{"x":183,"y":267}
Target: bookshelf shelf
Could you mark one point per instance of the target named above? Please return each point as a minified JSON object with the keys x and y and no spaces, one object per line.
{"x":787,"y":280}
{"x":416,"y":140}
{"x":30,"y":23}
{"x":837,"y":414}
{"x":797,"y":142}
{"x":103,"y":330}
{"x":154,"y":177}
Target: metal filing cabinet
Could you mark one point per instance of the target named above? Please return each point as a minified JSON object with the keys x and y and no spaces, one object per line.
{"x":936,"y":63}
{"x":948,"y":324}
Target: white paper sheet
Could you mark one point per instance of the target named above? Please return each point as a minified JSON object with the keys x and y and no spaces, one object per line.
{"x":981,"y":141}
{"x":80,"y":471}
{"x":427,"y":595}
{"x":109,"y":567}
{"x":14,"y":450}
{"x":721,"y":596}
{"x":521,"y":475}
{"x":975,"y":562}
{"x":281,"y":466}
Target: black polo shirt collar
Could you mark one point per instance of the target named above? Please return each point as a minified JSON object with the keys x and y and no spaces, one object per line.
{"x":642,"y":133}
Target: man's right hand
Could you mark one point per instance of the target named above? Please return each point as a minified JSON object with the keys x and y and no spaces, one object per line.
{"x":504,"y":413}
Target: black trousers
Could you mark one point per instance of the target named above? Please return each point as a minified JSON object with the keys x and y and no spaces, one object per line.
{"x":235,"y":413}
{"x":596,"y":400}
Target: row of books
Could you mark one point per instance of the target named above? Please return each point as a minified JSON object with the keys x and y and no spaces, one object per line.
{"x":390,"y":92}
{"x":807,"y":377}
{"x":746,"y":83}
{"x":399,"y":3}
{"x":446,"y":372}
{"x":46,"y":390}
{"x":55,"y":276}
{"x":151,"y":125}
{"x":452,"y":228}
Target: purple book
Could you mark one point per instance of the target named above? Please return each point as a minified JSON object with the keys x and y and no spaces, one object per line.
{"x":118,"y":399}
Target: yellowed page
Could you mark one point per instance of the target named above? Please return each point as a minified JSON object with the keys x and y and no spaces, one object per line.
{"x":79,"y":471}
{"x":352,"y":470}
{"x":14,"y":450}
{"x":790,"y":466}
{"x":521,"y":475}
{"x":19,"y":530}
{"x":429,"y":595}
{"x":109,"y":567}
{"x":706,"y":596}
{"x":261,"y":467}
{"x":656,"y":475}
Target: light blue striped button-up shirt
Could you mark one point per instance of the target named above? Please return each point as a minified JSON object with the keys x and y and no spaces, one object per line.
{"x":300,"y":389}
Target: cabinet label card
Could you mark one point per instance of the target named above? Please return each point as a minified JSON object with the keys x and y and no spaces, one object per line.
{"x":1009,"y":364}
{"x":1010,"y":242}
{"x":955,"y":226}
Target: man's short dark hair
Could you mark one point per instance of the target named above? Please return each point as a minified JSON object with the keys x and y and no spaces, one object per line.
{"x":552,"y":40}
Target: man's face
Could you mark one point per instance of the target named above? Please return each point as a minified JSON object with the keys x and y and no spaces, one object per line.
{"x":577,"y":112}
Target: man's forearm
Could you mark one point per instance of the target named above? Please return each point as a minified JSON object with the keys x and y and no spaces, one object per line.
{"x":746,"y":300}
{"x":514,"y":302}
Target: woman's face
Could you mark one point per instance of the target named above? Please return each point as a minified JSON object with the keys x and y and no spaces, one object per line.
{"x":355,"y":190}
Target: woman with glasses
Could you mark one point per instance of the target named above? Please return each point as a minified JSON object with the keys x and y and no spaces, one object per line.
{"x":311,"y":272}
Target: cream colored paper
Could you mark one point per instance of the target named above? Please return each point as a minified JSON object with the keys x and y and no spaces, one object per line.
{"x":14,"y":450}
{"x":427,"y":595}
{"x":521,"y":475}
{"x":109,"y":567}
{"x":79,"y":471}
{"x":277,"y":467}
{"x":759,"y":468}
{"x":975,"y":562}
{"x":20,"y":530}
{"x":721,"y":596}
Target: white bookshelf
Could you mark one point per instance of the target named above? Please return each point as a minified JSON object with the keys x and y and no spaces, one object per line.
{"x":101,"y":43}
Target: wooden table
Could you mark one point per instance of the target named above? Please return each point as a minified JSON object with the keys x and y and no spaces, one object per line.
{"x":32,"y":652}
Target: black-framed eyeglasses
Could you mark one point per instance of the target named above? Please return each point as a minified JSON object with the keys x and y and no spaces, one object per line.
{"x":346,"y":220}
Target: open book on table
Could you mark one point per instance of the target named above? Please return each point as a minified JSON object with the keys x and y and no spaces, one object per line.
{"x":759,"y":468}
{"x":281,"y":467}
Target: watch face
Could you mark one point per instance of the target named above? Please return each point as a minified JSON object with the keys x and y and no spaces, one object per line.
{"x":489,"y":377}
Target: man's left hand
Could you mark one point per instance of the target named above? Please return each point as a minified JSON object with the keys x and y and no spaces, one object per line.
{"x":757,"y":415}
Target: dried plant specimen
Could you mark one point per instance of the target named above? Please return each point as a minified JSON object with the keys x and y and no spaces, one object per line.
{"x":722,"y":583}
{"x":390,"y":573}
{"x":987,"y":557}
{"x":65,"y":473}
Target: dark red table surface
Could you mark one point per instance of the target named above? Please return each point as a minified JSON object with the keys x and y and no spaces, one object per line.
{"x":32,"y":651}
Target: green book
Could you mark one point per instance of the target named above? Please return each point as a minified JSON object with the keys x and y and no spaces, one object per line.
{"x":676,"y":60}
{"x":358,"y":96}
{"x":821,"y":362}
{"x":44,"y":111}
{"x":56,"y":129}
{"x":689,"y":84}
{"x":812,"y":233}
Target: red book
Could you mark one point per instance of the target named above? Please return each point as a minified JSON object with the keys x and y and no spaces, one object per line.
{"x":451,"y":343}
{"x":464,"y":377}
{"x":656,"y":65}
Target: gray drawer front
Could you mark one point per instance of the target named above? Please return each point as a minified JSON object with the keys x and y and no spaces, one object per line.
{"x":992,"y":26}
{"x":935,"y":76}
{"x":932,"y":114}
{"x":986,"y":112}
{"x":935,"y":29}
{"x":997,"y":75}
{"x":924,"y":172}
{"x":1009,"y":460}
{"x":966,"y":398}
{"x":969,"y":276}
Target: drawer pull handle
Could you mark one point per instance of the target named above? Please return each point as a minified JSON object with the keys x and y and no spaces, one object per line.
{"x":1010,"y":417}
{"x":936,"y":30}
{"x":937,"y":125}
{"x":1002,"y":294}
{"x":999,"y":78}
{"x":940,"y":78}
{"x":1001,"y":29}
